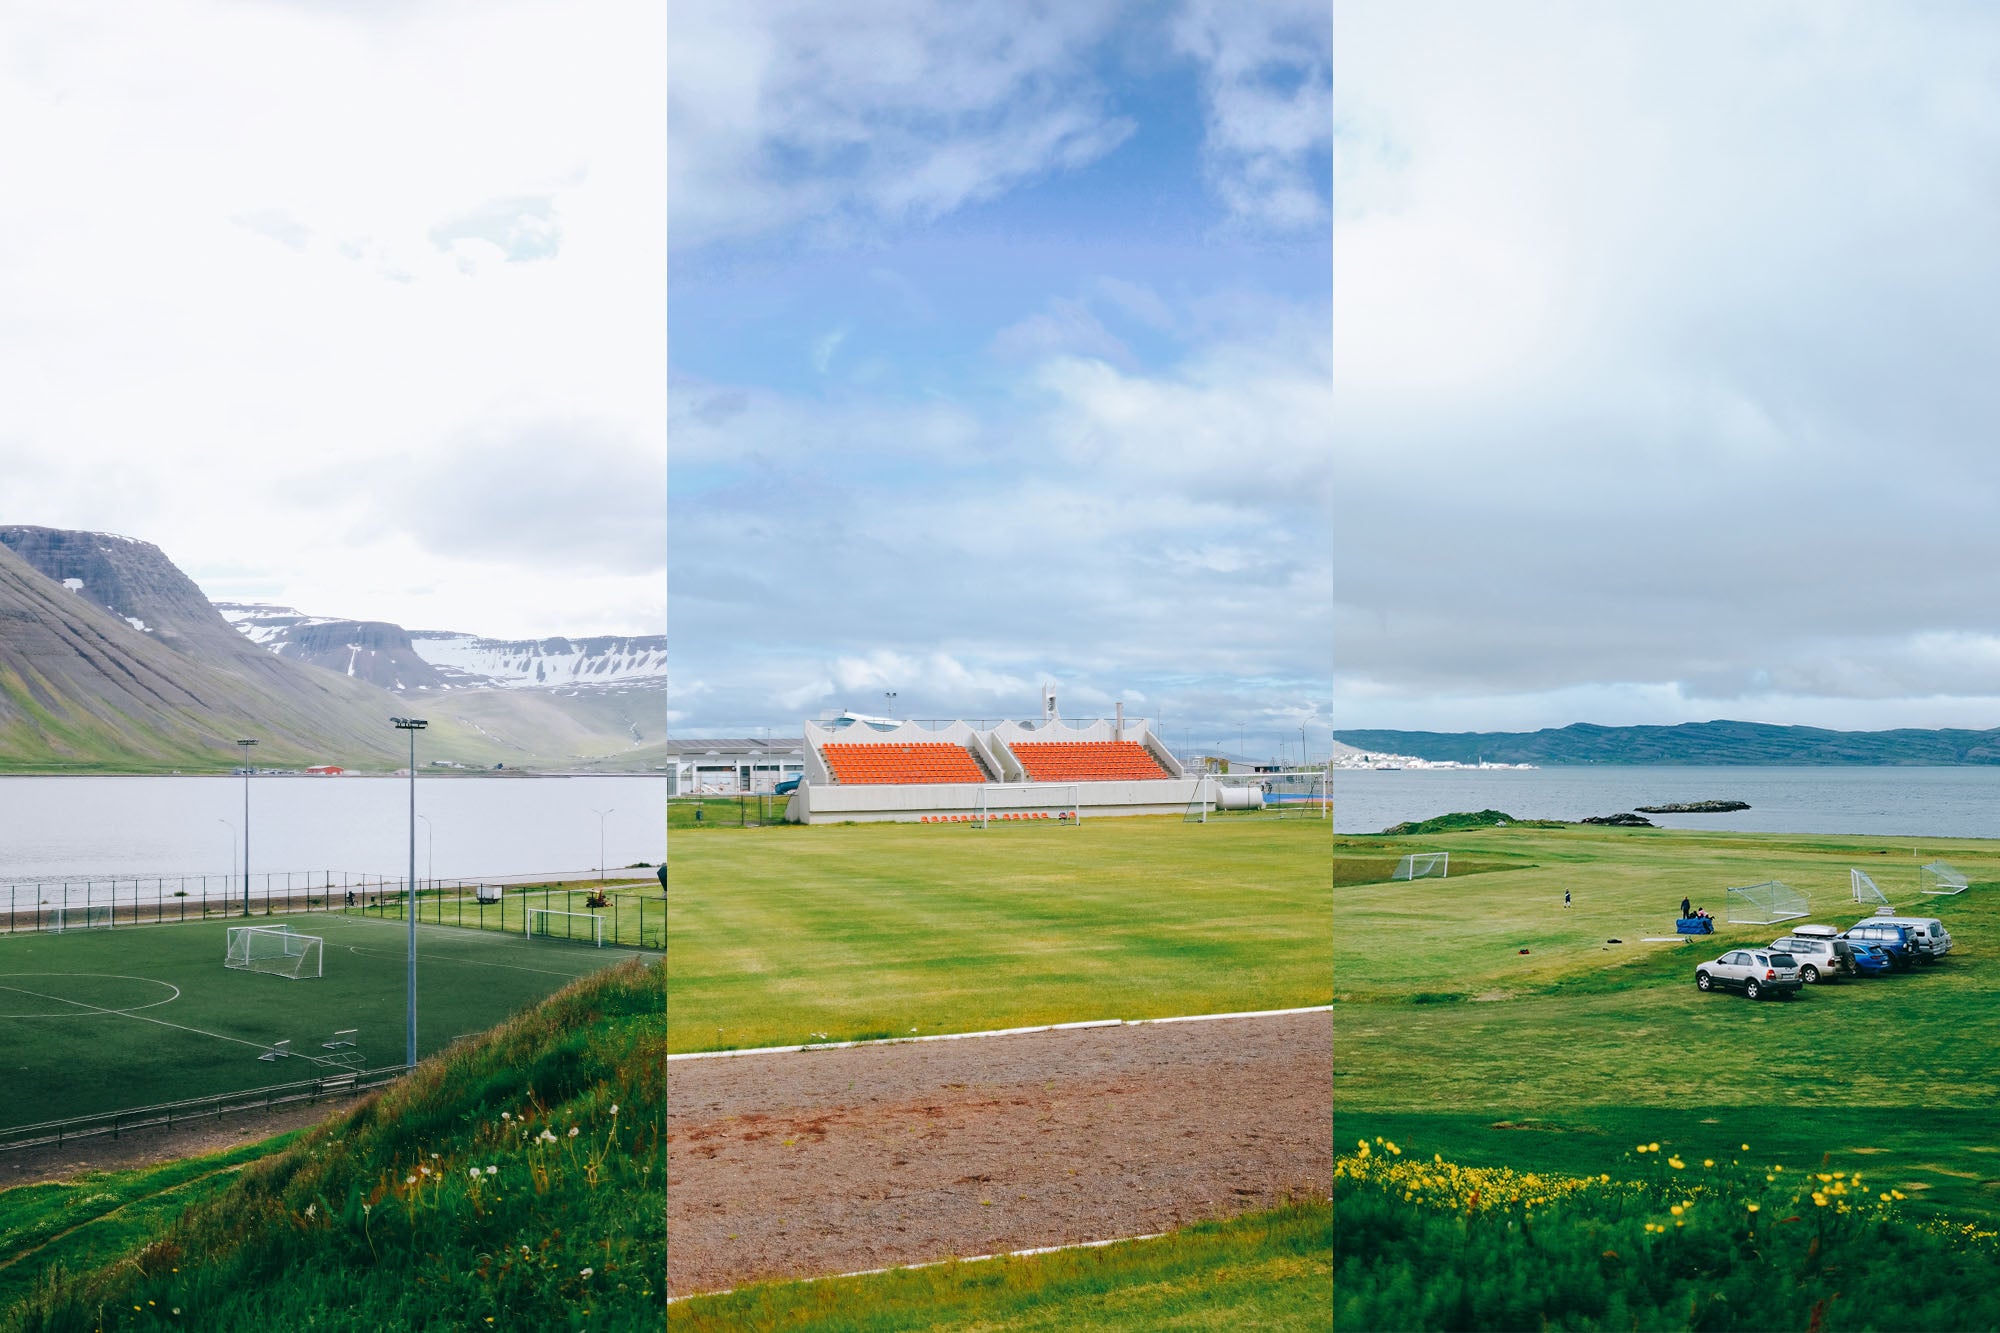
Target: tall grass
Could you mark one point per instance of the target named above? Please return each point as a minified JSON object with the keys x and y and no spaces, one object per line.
{"x":515,"y":1181}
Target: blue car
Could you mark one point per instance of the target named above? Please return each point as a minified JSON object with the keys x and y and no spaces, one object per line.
{"x":1870,"y":961}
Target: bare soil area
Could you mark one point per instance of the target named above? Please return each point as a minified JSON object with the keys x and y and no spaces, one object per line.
{"x":833,"y":1161}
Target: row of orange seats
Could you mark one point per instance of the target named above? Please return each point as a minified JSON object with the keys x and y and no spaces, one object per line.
{"x":1088,"y":761}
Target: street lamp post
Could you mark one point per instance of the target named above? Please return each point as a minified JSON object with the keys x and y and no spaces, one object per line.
{"x":430,"y":852}
{"x":413,"y":725}
{"x":889,"y":697}
{"x":246,"y":823}
{"x":600,"y":839}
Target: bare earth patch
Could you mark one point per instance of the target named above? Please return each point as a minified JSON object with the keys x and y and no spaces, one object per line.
{"x":146,"y":1147}
{"x":832,"y":1161}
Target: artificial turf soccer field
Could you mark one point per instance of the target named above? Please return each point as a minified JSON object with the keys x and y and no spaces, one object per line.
{"x":102,"y":1020}
{"x":833,"y":932}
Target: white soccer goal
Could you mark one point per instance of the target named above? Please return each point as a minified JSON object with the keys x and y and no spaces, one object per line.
{"x":1424,"y":865}
{"x":552,"y":923}
{"x":1865,"y":890}
{"x":277,"y":951}
{"x":1052,"y":803}
{"x":78,"y":917}
{"x":1766,"y":903}
{"x":1937,"y":877}
{"x":1305,"y":793}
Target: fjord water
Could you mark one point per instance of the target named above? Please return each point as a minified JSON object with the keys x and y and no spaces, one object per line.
{"x":1914,"y":802}
{"x":57,"y":827}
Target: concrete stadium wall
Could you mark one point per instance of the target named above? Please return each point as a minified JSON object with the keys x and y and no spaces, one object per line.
{"x":908,"y":803}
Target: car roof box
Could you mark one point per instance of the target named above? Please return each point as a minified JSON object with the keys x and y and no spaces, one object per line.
{"x":1816,"y":932}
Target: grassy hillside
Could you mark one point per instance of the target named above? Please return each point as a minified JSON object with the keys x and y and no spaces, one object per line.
{"x":515,"y":1181}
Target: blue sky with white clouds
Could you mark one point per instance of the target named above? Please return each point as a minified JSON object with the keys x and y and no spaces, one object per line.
{"x":999,"y":354}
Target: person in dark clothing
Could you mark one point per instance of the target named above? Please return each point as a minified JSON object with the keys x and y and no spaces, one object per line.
{"x":1686,"y":911}
{"x":1565,"y":897}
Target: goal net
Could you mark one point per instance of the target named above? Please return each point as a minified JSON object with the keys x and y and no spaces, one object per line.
{"x":1937,"y":877}
{"x":1865,"y":890}
{"x":278,"y":951}
{"x":1766,"y":903}
{"x":552,"y":923}
{"x":1026,"y":803}
{"x":78,"y":917}
{"x":1424,"y":865}
{"x":1293,"y":794}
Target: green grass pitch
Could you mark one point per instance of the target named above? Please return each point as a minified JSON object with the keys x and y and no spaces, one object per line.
{"x":872,"y":930}
{"x":101,"y":1020}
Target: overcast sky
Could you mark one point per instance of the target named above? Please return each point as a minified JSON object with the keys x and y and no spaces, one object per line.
{"x":1664,"y":351}
{"x":356,"y":307}
{"x":999,"y":355}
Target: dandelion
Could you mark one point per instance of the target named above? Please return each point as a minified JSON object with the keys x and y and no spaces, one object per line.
{"x":492,"y":1170}
{"x":1708,"y":1163}
{"x":1676,"y":1163}
{"x":572,"y":1131}
{"x":474,"y":1173}
{"x":409,"y":1180}
{"x":614,"y":1108}
{"x":1746,"y":1147}
{"x":1752,"y":1207}
{"x":1653,"y":1147}
{"x":1640,"y":1148}
{"x":506,"y":1115}
{"x":1884,"y":1198}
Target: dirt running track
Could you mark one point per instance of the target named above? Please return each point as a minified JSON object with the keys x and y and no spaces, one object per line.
{"x":832,"y":1161}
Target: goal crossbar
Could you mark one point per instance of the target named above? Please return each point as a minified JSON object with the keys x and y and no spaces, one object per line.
{"x":553,"y":923}
{"x":1424,"y":865}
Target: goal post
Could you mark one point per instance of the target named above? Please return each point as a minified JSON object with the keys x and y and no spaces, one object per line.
{"x":1284,"y":794}
{"x":1423,"y":865}
{"x":1026,"y":802}
{"x":1865,"y":889}
{"x":1937,"y":877}
{"x":78,"y":916}
{"x":277,"y":951}
{"x":1766,"y":903}
{"x":553,"y":923}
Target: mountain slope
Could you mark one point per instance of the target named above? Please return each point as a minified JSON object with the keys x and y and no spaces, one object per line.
{"x":1688,"y":743}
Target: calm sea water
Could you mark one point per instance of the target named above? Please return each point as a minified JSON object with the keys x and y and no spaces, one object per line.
{"x":1917,"y":802}
{"x":54,"y":828}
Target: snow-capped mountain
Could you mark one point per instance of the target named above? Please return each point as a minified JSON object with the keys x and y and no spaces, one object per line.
{"x":445,"y":659}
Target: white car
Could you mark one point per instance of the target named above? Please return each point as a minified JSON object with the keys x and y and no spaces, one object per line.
{"x":1755,"y":972}
{"x":1819,"y":958}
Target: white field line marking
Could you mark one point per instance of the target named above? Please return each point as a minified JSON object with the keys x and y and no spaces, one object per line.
{"x":145,"y":1018}
{"x":935,"y":1263}
{"x":115,"y":976}
{"x":996,"y":1032}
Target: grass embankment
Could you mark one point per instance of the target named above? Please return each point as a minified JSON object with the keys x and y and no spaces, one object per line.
{"x":881,"y":930}
{"x":1737,"y":1242}
{"x":1482,"y":1019}
{"x":1270,"y":1270}
{"x":515,"y":1181}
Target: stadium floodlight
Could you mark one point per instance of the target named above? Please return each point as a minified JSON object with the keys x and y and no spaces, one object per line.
{"x":245,"y":746}
{"x":1937,"y":877}
{"x":1424,"y":865}
{"x":412,"y":725}
{"x":1865,"y":890}
{"x":1766,"y":903}
{"x":277,"y":951}
{"x":552,"y":923}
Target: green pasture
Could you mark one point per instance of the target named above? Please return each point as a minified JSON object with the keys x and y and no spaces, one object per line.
{"x":101,"y":1020}
{"x":1269,"y":1270}
{"x":852,"y":931}
{"x":1479,"y":1019}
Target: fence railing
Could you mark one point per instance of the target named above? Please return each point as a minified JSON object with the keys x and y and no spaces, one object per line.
{"x":632,"y":919}
{"x":168,"y":1114}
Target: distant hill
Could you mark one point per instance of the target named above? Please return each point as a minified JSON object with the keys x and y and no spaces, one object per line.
{"x":1688,"y":743}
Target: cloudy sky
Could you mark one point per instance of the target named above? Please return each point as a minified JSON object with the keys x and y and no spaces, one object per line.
{"x":1664,"y":354}
{"x":999,"y":355}
{"x":356,"y":307}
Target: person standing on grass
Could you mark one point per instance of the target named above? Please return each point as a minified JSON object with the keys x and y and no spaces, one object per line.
{"x":1565,"y":897}
{"x":1686,"y":911}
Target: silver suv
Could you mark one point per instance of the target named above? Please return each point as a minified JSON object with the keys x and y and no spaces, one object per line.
{"x":1819,"y":959}
{"x":1755,"y":972}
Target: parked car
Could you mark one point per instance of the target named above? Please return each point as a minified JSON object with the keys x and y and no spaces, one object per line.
{"x":1891,"y":937}
{"x":1929,"y":939}
{"x":1820,"y":957}
{"x":1870,"y":961}
{"x":1755,"y":972}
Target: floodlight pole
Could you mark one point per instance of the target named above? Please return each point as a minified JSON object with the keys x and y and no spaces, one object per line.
{"x":246,"y":824}
{"x":430,"y":852}
{"x":413,"y":725}
{"x":600,"y":839}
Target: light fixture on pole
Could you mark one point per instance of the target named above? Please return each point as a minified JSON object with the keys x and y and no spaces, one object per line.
{"x":889,"y":697}
{"x":600,"y":839}
{"x":246,"y":824}
{"x":413,"y":725}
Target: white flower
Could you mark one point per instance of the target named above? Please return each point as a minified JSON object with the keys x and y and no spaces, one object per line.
{"x":572,"y":1131}
{"x":311,"y":1208}
{"x":506,"y":1115}
{"x":474,"y":1173}
{"x":614,"y":1108}
{"x":588,"y":1271}
{"x":409,"y":1180}
{"x":492,"y":1170}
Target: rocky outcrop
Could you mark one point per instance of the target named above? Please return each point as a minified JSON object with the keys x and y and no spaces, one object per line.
{"x":1623,"y":819}
{"x":371,"y":650}
{"x":1694,"y":808}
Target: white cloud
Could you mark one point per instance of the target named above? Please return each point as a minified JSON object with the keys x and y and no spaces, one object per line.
{"x":1267,"y":80}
